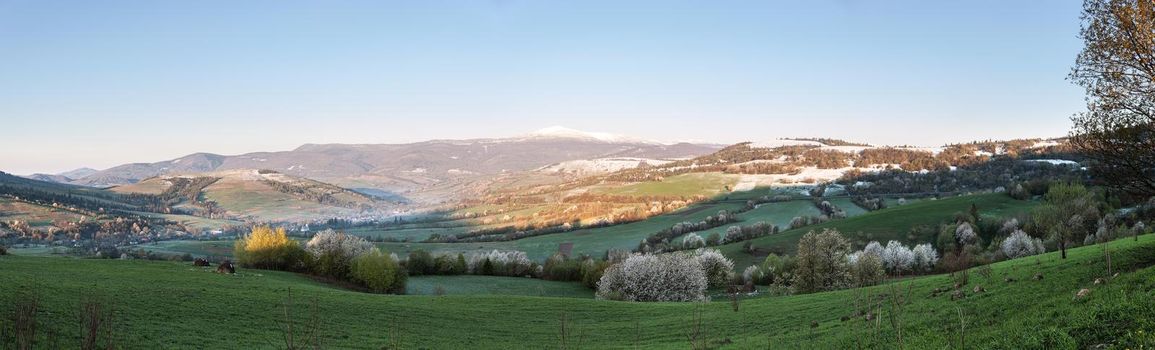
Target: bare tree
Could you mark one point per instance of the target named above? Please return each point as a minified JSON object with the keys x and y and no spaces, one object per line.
{"x":1117,"y":69}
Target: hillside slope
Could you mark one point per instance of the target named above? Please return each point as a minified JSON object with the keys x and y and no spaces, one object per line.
{"x":181,"y":306}
{"x":256,"y":194}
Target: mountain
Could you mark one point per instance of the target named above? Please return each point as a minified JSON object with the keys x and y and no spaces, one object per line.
{"x":49,"y":178}
{"x":400,"y":168}
{"x":78,"y":173}
{"x":65,"y":177}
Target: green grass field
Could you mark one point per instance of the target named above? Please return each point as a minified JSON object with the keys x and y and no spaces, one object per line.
{"x":778,"y":214}
{"x":174,"y":305}
{"x":884,"y":225}
{"x":196,"y":248}
{"x":707,"y":184}
{"x":491,"y":285}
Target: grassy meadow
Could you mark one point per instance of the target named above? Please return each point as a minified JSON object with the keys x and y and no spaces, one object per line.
{"x":161,"y":305}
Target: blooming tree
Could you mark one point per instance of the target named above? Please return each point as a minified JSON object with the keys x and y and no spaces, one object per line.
{"x":1019,"y":244}
{"x":925,"y":257}
{"x":897,"y":258}
{"x":719,"y":270}
{"x":965,"y":234}
{"x":647,"y":277}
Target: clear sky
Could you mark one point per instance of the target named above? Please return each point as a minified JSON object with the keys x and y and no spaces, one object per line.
{"x":101,"y":83}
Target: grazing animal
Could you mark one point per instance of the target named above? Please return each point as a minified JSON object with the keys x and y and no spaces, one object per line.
{"x":979,"y":289}
{"x":200,"y":262}
{"x":226,"y":267}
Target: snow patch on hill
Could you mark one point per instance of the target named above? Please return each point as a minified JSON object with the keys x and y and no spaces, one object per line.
{"x":561,"y":132}
{"x":599,"y":166}
{"x":784,"y":143}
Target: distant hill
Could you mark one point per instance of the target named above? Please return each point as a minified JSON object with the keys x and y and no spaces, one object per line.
{"x":255,"y":194}
{"x":65,"y":177}
{"x":399,"y":168}
{"x":78,"y":173}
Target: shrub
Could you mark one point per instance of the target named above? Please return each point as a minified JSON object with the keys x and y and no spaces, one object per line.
{"x":665,"y":277}
{"x":867,"y":269}
{"x":334,"y":251}
{"x":449,"y":264}
{"x":718,"y":269}
{"x":560,"y":268}
{"x":693,"y":241}
{"x":420,"y":262}
{"x":1019,"y":244}
{"x":266,"y":248}
{"x":822,"y":263}
{"x":3,"y":250}
{"x":752,"y":275}
{"x":713,"y":239}
{"x":378,"y":272}
{"x":592,"y":271}
{"x":733,"y":234}
{"x":777,"y":269}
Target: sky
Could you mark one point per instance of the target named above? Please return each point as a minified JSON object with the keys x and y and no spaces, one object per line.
{"x":103,"y":83}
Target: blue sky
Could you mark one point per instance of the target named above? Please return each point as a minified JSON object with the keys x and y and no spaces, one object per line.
{"x":87,"y":83}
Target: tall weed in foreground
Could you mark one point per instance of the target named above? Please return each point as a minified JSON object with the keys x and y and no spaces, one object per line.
{"x":97,"y":324}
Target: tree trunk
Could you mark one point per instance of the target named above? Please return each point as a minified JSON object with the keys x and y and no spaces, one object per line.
{"x":1063,"y":247}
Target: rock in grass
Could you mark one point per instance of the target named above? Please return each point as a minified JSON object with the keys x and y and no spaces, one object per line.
{"x":958,"y":295}
{"x":1083,"y":293}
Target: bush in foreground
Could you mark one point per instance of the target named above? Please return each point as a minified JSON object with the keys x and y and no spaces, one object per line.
{"x":666,"y":277}
{"x":378,"y":272}
{"x":822,"y":262}
{"x":333,"y":252}
{"x":266,"y":248}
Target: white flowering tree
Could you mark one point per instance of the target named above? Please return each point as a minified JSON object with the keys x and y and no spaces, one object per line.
{"x":719,"y":270}
{"x":897,"y":258}
{"x":1019,"y":244}
{"x":693,"y":241}
{"x":503,"y":263}
{"x":965,"y":234}
{"x":334,"y":251}
{"x":733,"y":234}
{"x":925,"y":257}
{"x":874,"y":248}
{"x":664,"y":277}
{"x":329,"y":241}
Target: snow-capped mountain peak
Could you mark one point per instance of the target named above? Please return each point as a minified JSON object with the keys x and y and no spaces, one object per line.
{"x":567,"y":133}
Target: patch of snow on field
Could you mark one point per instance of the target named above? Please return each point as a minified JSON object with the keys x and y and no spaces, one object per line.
{"x":1054,"y":161}
{"x":846,"y":149}
{"x":783,"y":143}
{"x":746,"y":183}
{"x":932,"y":150}
{"x":599,"y":166}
